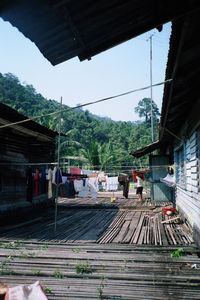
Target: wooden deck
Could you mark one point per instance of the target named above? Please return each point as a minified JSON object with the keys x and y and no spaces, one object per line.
{"x":84,"y":221}
{"x":108,"y":271}
{"x":122,"y":249}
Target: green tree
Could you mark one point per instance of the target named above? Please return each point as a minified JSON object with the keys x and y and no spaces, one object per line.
{"x":91,"y":153}
{"x":144,"y":110}
{"x":105,"y":143}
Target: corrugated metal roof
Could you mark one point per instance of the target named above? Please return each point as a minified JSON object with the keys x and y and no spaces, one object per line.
{"x":63,"y":29}
{"x":183,"y":66}
{"x":147,"y":149}
{"x":181,"y":96}
{"x":11,"y":115}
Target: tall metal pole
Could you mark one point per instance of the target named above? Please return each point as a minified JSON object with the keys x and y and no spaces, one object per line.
{"x":152,"y":129}
{"x":58,"y":164}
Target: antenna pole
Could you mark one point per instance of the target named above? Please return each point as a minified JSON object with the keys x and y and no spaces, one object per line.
{"x":58,"y":165}
{"x":152,"y":129}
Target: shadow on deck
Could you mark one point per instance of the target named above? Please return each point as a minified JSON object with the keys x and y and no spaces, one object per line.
{"x":126,"y":221}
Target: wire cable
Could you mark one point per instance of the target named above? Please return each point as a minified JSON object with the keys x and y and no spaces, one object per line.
{"x":85,"y":104}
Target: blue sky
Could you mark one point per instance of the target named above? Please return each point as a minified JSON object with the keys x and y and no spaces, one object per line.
{"x":123,"y":68}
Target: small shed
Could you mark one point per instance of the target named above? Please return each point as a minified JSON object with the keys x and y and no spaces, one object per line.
{"x":23,"y":145}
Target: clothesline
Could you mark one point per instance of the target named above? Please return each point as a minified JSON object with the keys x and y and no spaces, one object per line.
{"x":84,"y":166}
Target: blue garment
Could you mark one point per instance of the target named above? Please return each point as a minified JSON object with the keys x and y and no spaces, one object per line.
{"x":58,"y":177}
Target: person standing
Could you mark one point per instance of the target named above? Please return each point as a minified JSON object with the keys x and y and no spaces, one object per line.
{"x":139,"y":189}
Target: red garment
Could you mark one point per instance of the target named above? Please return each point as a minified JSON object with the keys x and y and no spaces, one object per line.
{"x":166,"y":209}
{"x":75,"y":171}
{"x":137,"y":173}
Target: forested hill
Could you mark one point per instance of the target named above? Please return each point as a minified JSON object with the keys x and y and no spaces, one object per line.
{"x":103,"y":143}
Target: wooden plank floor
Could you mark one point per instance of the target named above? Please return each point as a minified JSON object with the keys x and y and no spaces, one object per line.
{"x":111,"y":271}
{"x":104,"y":200}
{"x":97,"y":225}
{"x":123,"y":251}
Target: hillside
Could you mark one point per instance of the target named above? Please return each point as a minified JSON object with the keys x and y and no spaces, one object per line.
{"x":105,"y":143}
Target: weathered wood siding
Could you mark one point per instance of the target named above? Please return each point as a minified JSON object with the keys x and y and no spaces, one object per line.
{"x":187,"y":174}
{"x":20,"y":145}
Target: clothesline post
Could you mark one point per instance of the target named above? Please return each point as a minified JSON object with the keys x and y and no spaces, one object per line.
{"x":58,"y":164}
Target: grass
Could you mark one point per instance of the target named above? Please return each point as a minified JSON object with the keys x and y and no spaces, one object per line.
{"x":83,"y":268}
{"x":44,"y":247}
{"x":76,"y":250}
{"x":100,"y":289}
{"x":57,"y":274}
{"x":48,"y":290}
{"x":36,"y":272}
{"x":177,"y":253}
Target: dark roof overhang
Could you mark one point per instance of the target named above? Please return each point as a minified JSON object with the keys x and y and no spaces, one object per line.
{"x":63,"y":29}
{"x":9,"y":115}
{"x":146,"y":150}
{"x":181,"y":96}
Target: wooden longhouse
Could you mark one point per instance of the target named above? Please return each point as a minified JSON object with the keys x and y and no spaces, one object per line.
{"x":21,"y":144}
{"x":65,"y":29}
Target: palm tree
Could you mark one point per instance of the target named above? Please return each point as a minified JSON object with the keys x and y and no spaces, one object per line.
{"x":91,"y":153}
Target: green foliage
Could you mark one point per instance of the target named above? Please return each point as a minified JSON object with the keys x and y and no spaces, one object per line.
{"x":100,"y":289}
{"x":83,"y":268}
{"x":48,"y":290}
{"x":44,"y":247}
{"x":92,"y":141}
{"x":57,"y":274}
{"x":76,"y":250}
{"x":144,"y":110}
{"x":36,"y":272}
{"x":177,"y":253}
{"x":5,"y":266}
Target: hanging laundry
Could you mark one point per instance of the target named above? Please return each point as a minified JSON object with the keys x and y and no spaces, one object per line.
{"x":78,"y":185}
{"x":36,"y":179}
{"x":43,"y":181}
{"x":85,"y":190}
{"x":169,"y":180}
{"x":75,"y":171}
{"x":50,"y":179}
{"x":29,"y":185}
{"x":57,"y":176}
{"x":112,"y":183}
{"x":93,"y":187}
{"x":82,"y":187}
{"x":69,"y":189}
{"x":86,"y":172}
